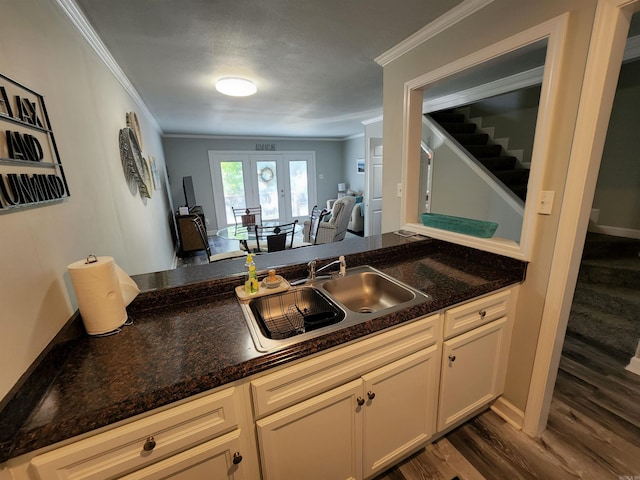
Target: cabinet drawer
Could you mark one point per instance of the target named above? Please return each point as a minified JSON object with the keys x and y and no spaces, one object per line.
{"x":298,"y":382}
{"x":473,"y":314}
{"x":121,"y":450}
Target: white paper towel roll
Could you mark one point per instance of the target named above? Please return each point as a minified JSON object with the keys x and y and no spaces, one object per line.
{"x":103,"y":290}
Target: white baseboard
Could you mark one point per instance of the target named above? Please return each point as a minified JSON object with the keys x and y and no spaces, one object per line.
{"x":508,"y":412}
{"x":634,"y":366}
{"x":615,"y":231}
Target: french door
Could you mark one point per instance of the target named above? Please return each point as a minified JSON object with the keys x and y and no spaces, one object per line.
{"x":282,"y":183}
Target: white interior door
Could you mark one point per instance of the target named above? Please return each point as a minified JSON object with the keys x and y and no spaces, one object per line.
{"x":373,"y":188}
{"x":280,"y":182}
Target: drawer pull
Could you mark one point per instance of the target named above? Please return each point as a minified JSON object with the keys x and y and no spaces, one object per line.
{"x":371,"y":395}
{"x":237,"y":458}
{"x":452,"y":358}
{"x":149,"y":445}
{"x":360,"y":401}
{"x":482,"y":313}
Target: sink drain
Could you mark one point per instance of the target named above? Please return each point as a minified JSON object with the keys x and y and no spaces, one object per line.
{"x":365,"y":310}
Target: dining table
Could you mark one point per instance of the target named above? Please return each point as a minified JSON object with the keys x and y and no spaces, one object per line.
{"x":245,"y":233}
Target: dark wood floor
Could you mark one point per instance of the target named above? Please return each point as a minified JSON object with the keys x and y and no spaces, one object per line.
{"x":593,"y":432}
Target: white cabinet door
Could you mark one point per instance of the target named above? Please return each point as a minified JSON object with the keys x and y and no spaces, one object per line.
{"x":220,"y":459}
{"x":473,"y":370}
{"x":318,"y":439}
{"x":400,"y":409}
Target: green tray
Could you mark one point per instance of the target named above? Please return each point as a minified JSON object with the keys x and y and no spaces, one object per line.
{"x":468,"y":226}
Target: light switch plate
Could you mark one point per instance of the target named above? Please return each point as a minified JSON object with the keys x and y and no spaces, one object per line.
{"x":546,"y":202}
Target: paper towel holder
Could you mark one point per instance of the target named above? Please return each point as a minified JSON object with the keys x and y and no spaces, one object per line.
{"x":91,"y":258}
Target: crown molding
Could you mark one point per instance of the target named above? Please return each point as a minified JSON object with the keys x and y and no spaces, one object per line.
{"x":80,"y":22}
{"x":247,"y":137}
{"x":453,"y":16}
{"x":369,"y":121}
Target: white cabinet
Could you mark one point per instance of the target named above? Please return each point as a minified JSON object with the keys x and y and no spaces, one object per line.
{"x":318,"y":439}
{"x":219,"y":459}
{"x":400,"y":408}
{"x":361,"y":427}
{"x":474,"y":363}
{"x":202,"y":434}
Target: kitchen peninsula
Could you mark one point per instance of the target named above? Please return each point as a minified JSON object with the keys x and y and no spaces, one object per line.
{"x":189,"y":336}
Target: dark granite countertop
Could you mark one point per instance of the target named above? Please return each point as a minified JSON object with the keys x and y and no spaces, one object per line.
{"x":189,"y":335}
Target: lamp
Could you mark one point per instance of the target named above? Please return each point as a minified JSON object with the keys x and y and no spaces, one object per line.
{"x":236,"y":87}
{"x":342,"y":188}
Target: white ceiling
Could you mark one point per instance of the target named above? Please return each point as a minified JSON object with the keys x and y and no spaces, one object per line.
{"x":312,"y":60}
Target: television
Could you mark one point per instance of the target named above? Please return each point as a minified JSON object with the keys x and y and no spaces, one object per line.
{"x":189,"y":193}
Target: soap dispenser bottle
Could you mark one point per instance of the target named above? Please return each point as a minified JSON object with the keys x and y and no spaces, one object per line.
{"x":251,"y":284}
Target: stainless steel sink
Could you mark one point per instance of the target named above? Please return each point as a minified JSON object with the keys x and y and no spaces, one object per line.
{"x":367,"y":291}
{"x":325,"y":305}
{"x":293,"y":312}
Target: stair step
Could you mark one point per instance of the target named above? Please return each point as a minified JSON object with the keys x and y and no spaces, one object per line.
{"x":613,"y":331}
{"x":503,"y":162}
{"x":448,"y":116}
{"x":613,"y":272}
{"x":520,"y":191}
{"x":598,"y":245}
{"x":471,"y":138}
{"x":482,"y":151}
{"x":458,"y":127}
{"x":514,"y":176}
{"x":620,"y":301}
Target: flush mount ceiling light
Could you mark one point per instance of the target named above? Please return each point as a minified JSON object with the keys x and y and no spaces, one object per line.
{"x":236,"y":87}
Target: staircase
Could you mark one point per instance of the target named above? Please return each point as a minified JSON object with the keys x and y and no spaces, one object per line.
{"x":606,"y":304}
{"x":503,"y":167}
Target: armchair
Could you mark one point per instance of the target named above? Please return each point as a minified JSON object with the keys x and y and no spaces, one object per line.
{"x":335,"y":228}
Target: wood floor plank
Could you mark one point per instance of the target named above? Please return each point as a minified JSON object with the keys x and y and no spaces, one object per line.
{"x":451,"y":462}
{"x":501,"y":451}
{"x":580,"y":396}
{"x":587,"y":446}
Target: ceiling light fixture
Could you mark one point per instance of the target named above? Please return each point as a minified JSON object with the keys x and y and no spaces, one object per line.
{"x":236,"y":87}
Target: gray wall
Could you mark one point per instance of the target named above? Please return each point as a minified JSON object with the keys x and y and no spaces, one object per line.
{"x":352,"y":150}
{"x":189,"y":156}
{"x":87,"y":106}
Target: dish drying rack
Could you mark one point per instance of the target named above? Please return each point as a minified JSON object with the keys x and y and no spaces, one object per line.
{"x":293,"y":312}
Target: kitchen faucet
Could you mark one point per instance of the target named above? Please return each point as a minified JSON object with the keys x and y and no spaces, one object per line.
{"x":313,"y":272}
{"x":341,"y":273}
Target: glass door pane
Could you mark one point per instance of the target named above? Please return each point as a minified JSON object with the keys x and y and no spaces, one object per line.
{"x":269,"y":198}
{"x":299,"y":188}
{"x":232,"y":188}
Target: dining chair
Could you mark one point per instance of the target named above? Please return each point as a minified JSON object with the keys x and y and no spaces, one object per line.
{"x":274,"y":238}
{"x":247,"y":217}
{"x":310,"y":228}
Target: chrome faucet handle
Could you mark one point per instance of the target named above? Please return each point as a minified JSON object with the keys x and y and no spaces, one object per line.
{"x":312,"y":268}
